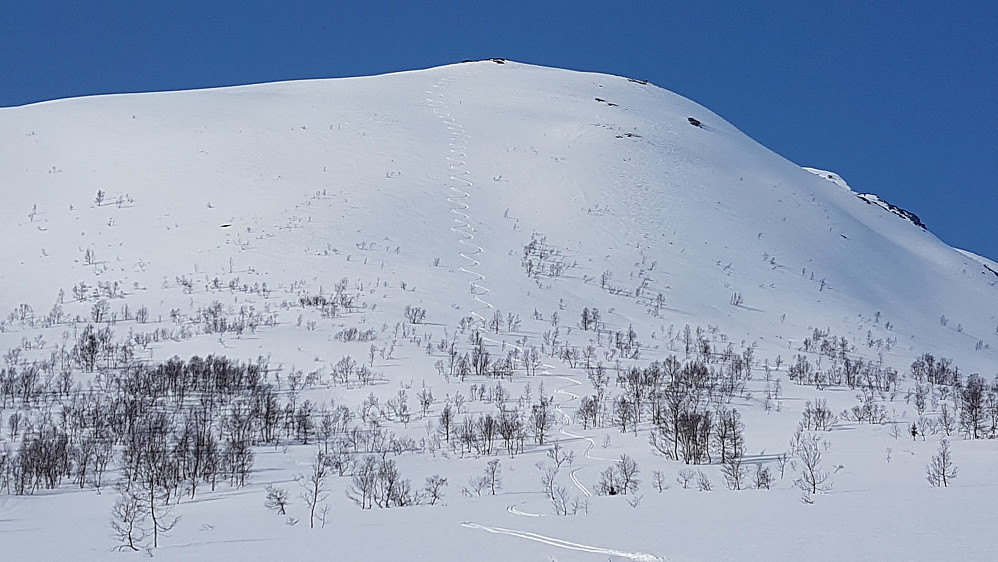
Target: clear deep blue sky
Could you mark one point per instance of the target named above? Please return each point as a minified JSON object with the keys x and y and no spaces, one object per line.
{"x":900,"y":98}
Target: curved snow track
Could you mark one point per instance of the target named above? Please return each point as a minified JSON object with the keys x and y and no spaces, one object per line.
{"x":564,"y":431}
{"x":512,"y":509}
{"x":458,"y":184}
{"x":459,"y":187}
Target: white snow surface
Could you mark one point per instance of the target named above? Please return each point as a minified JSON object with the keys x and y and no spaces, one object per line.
{"x":422,"y":189}
{"x":830,"y":176}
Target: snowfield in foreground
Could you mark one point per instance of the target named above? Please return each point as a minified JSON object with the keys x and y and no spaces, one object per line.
{"x":486,"y":311}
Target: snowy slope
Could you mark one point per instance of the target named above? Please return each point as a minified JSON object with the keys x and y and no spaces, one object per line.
{"x":254,"y":156}
{"x":423,"y":189}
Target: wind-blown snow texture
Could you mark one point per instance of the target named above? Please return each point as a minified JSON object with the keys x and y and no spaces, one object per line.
{"x":425,"y":187}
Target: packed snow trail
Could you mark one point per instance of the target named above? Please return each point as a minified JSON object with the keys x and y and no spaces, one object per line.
{"x":456,"y":148}
{"x":568,"y":420}
{"x":589,"y":449}
{"x":564,"y":431}
{"x":512,"y":509}
{"x":457,"y":170}
{"x":563,"y":543}
{"x":465,"y":230}
{"x":578,"y":484}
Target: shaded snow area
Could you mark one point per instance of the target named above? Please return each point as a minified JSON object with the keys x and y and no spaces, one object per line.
{"x":903,"y":213}
{"x":989,"y":265}
{"x":869,"y":197}
{"x":486,"y":311}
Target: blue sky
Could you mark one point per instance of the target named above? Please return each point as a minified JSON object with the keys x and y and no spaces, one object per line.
{"x":897,"y":97}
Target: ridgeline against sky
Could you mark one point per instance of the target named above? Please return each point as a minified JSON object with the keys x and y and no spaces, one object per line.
{"x":898,"y":100}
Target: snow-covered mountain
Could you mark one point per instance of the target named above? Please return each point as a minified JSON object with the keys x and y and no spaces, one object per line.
{"x":268,"y":221}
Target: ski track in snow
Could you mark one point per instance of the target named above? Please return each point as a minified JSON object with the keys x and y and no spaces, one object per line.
{"x":563,"y":431}
{"x":578,"y":484}
{"x":465,"y":230}
{"x":592,"y":443}
{"x":457,"y":169}
{"x":567,"y":433}
{"x":512,"y":509}
{"x":560,"y":543}
{"x":589,"y":449}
